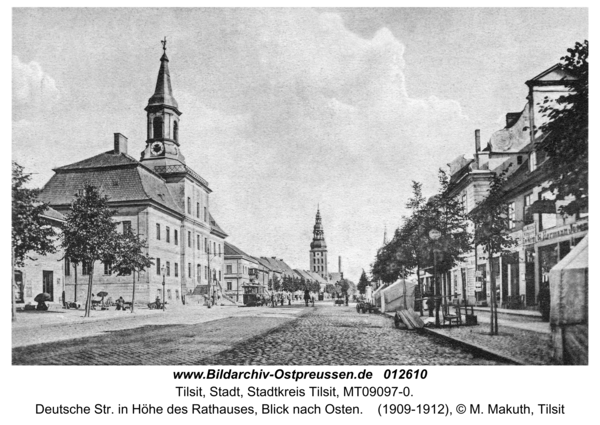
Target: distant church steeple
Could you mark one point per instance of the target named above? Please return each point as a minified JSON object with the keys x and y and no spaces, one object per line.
{"x":162,"y":142}
{"x":318,"y":249}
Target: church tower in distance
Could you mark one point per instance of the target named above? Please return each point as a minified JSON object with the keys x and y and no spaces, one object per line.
{"x":318,"y":249}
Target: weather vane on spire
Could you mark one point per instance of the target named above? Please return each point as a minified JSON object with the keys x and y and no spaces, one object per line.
{"x":164,"y":43}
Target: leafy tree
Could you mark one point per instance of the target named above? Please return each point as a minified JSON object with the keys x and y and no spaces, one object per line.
{"x":564,"y":137}
{"x":130,"y":256}
{"x":344,"y":286}
{"x":330,"y":289}
{"x":276,"y":284}
{"x":363,"y":282}
{"x":89,"y":233}
{"x":491,"y":222}
{"x":30,"y":232}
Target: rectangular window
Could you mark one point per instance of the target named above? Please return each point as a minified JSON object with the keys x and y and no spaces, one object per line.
{"x":176,"y":294}
{"x":189,"y":239}
{"x":206,"y":245}
{"x":219,"y":250}
{"x":126,"y":226}
{"x":532,"y":161}
{"x":527,"y":215}
{"x":511,"y":215}
{"x":205,"y":214}
{"x":190,"y":270}
{"x":197,"y":209}
{"x":168,"y":268}
{"x":157,"y":231}
{"x":107,"y":267}
{"x":168,"y":294}
{"x":214,"y":247}
{"x":219,"y":275}
{"x":168,"y":234}
{"x":176,"y":269}
{"x":198,"y":272}
{"x":229,"y":269}
{"x":85,"y":268}
{"x":189,"y":205}
{"x":158,"y":266}
{"x":547,"y":220}
{"x":198,"y":242}
{"x":67,"y":267}
{"x":229,"y":286}
{"x":176,"y":237}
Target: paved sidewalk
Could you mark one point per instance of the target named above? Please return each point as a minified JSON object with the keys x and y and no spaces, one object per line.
{"x":521,"y":341}
{"x":34,"y":327}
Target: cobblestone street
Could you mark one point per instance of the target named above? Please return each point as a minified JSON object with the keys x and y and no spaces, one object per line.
{"x":323,"y":335}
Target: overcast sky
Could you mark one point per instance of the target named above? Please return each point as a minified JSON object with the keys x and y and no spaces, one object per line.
{"x":285,"y":109}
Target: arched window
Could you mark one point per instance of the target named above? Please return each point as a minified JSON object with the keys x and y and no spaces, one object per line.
{"x":157,"y":128}
{"x":175,"y":131}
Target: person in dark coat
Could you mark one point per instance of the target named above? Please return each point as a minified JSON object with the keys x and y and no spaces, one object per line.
{"x":306,"y":297}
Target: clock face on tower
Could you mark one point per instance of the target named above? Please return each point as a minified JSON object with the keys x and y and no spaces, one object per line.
{"x":157,"y":148}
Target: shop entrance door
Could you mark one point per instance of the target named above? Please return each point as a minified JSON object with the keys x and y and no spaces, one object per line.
{"x":48,"y":283}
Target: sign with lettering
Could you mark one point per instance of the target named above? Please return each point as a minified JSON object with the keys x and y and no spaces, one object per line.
{"x":568,"y":229}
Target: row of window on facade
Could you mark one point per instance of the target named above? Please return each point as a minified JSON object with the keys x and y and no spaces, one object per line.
{"x":189,"y":209}
{"x":318,"y":268}
{"x":215,"y":272}
{"x":216,"y":247}
{"x":245,"y":270}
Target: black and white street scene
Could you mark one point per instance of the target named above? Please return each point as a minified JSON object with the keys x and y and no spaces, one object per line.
{"x":354,"y":186}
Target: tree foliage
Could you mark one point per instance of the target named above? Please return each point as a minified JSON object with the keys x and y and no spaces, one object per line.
{"x":30,"y":232}
{"x":89,"y":234}
{"x":130,"y":257}
{"x":564,"y":137}
{"x":363,"y":282}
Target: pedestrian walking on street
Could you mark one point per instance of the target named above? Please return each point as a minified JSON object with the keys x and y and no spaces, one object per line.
{"x":306,"y":297}
{"x":272,"y":299}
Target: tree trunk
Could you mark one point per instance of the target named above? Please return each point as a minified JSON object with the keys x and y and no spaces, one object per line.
{"x":12,"y":288}
{"x":420,"y":288}
{"x":493,"y":311}
{"x":133,"y":294}
{"x":88,"y":303}
{"x":75,"y":296}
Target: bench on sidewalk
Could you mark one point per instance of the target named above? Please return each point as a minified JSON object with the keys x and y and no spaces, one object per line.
{"x":451,"y":318}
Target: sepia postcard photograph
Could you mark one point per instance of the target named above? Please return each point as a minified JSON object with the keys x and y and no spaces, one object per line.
{"x":299,"y":186}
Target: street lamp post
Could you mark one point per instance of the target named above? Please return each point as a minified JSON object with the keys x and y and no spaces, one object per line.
{"x":162,"y":269}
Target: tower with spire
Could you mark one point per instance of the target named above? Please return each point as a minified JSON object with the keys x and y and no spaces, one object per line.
{"x":318,"y":249}
{"x":162,"y":112}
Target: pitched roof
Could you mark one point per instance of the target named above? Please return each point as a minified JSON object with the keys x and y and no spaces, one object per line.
{"x":316,"y":277}
{"x":303,"y":274}
{"x":264,"y":263}
{"x":215,"y":227}
{"x":52,"y":214}
{"x":120,"y":177}
{"x":234,"y":251}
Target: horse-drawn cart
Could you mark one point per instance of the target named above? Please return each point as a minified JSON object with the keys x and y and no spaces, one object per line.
{"x":365,"y":306}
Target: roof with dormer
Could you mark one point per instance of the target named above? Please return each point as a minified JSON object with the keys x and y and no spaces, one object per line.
{"x":120,"y":177}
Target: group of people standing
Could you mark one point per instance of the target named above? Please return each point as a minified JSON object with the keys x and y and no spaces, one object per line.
{"x":281,"y":299}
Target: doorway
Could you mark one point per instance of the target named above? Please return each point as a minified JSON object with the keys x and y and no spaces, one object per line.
{"x":48,"y":283}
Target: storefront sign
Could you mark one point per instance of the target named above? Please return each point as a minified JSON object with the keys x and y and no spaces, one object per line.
{"x":529,"y":234}
{"x":580,"y":226}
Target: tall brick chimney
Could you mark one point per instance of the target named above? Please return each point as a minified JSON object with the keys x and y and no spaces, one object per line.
{"x":120,"y":144}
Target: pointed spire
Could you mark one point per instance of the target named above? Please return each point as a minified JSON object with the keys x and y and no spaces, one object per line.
{"x":163,"y":93}
{"x":318,"y":233}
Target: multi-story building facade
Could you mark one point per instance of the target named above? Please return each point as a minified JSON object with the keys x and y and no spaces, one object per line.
{"x":240,"y":271}
{"x":159,"y":197}
{"x":542,"y":236}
